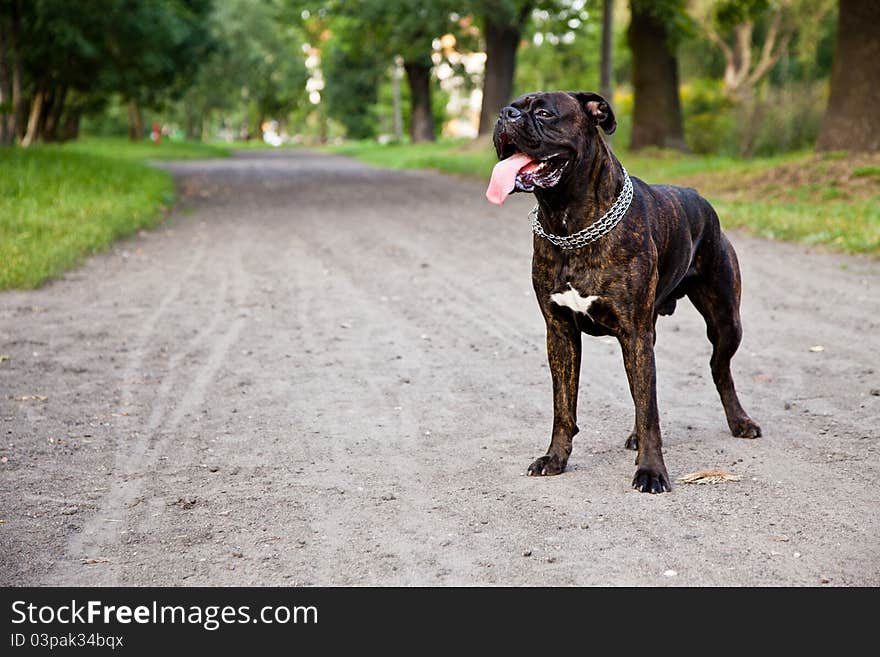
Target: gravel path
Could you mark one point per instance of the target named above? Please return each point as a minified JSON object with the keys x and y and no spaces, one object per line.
{"x":322,"y":373}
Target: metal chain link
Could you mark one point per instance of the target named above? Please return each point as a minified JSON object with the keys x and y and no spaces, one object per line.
{"x":595,"y":230}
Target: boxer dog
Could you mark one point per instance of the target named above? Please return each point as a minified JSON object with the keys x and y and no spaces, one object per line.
{"x":611,"y":253}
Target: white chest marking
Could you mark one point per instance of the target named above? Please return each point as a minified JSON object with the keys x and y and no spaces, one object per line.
{"x":571,"y":298}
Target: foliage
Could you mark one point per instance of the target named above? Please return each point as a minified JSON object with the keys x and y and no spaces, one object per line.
{"x":673,"y":14}
{"x":561,"y":50}
{"x":353,"y":69}
{"x":72,"y":60}
{"x":256,"y":72}
{"x":154,"y":47}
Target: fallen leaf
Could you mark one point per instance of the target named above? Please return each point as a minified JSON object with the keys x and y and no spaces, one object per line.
{"x":817,"y":348}
{"x":3,"y":358}
{"x":185,"y":503}
{"x":715,"y":476}
{"x":88,"y":562}
{"x":30,"y":398}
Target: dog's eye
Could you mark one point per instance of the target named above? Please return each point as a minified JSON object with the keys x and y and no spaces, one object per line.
{"x":543,"y":114}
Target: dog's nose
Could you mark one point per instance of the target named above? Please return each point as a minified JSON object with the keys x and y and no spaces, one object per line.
{"x":510,"y":113}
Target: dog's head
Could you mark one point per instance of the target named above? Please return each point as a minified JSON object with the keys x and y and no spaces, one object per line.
{"x":548,"y":132}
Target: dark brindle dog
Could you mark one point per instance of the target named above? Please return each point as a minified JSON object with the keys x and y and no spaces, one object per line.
{"x":615,"y":278}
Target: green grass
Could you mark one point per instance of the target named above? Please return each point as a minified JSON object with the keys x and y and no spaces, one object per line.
{"x":122,"y":149}
{"x":812,"y":213}
{"x":59,"y":204}
{"x":853,"y":227}
{"x":447,"y":156}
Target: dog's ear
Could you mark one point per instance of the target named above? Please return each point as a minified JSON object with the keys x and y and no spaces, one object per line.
{"x":597,"y":108}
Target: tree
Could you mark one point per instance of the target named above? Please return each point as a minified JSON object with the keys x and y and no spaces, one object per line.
{"x":10,"y":71}
{"x":66,"y":54}
{"x":156,"y":47}
{"x":66,"y":61}
{"x":852,"y":119}
{"x":652,"y":33}
{"x":502,"y":22}
{"x":605,"y":66}
{"x":353,"y":70}
{"x":392,"y":28}
{"x":731,"y":26}
{"x":408,"y":28}
{"x":560,"y":49}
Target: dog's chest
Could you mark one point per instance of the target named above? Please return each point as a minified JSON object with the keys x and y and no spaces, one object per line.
{"x":574,"y":299}
{"x":588,"y":289}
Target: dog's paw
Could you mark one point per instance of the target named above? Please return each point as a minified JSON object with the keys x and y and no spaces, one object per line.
{"x":745,"y":428}
{"x":632,"y":442}
{"x":651,"y":480}
{"x":546,"y":465}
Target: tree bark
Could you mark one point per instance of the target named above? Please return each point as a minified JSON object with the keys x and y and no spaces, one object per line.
{"x":421,"y":117}
{"x":190,"y":123}
{"x":135,"y":121}
{"x":607,"y":36}
{"x":6,"y":108}
{"x":397,"y":123}
{"x":657,"y":109}
{"x":16,"y":121}
{"x":34,"y":119}
{"x":70,"y":126}
{"x":502,"y":42}
{"x":49,"y":129}
{"x":852,"y":119}
{"x":10,"y":84}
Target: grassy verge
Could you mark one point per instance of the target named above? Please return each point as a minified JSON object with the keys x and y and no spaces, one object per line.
{"x":830,"y":200}
{"x":61,"y":203}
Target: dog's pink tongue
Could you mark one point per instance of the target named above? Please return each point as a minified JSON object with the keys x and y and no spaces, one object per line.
{"x":504,"y":177}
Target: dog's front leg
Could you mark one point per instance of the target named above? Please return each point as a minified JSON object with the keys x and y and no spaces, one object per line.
{"x":564,"y":355}
{"x":638,"y":358}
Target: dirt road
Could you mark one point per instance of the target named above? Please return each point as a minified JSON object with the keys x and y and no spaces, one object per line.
{"x":322,"y":373}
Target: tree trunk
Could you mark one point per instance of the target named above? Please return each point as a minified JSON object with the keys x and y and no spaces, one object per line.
{"x":49,"y":129}
{"x":10,"y":89}
{"x":135,"y":121}
{"x":607,"y":36}
{"x":657,"y":109}
{"x":190,"y":126}
{"x":397,"y":123}
{"x":852,"y":119}
{"x":34,"y":119}
{"x":16,"y":121}
{"x":502,"y":41}
{"x":6,"y":108}
{"x":70,"y":125}
{"x":605,"y":67}
{"x":421,"y":117}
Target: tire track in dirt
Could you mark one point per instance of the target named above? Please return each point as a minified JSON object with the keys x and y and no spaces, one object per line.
{"x":135,"y":460}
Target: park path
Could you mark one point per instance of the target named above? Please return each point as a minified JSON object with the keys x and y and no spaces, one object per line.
{"x":321,"y":373}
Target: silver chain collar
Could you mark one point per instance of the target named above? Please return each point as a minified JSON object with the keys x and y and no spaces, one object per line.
{"x":596,"y":229}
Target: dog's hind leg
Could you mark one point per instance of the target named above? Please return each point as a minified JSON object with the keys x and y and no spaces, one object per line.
{"x":564,"y":356}
{"x":716,"y":293}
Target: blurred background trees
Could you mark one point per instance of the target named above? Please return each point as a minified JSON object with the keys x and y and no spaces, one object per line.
{"x":738,"y":77}
{"x":59,"y":61}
